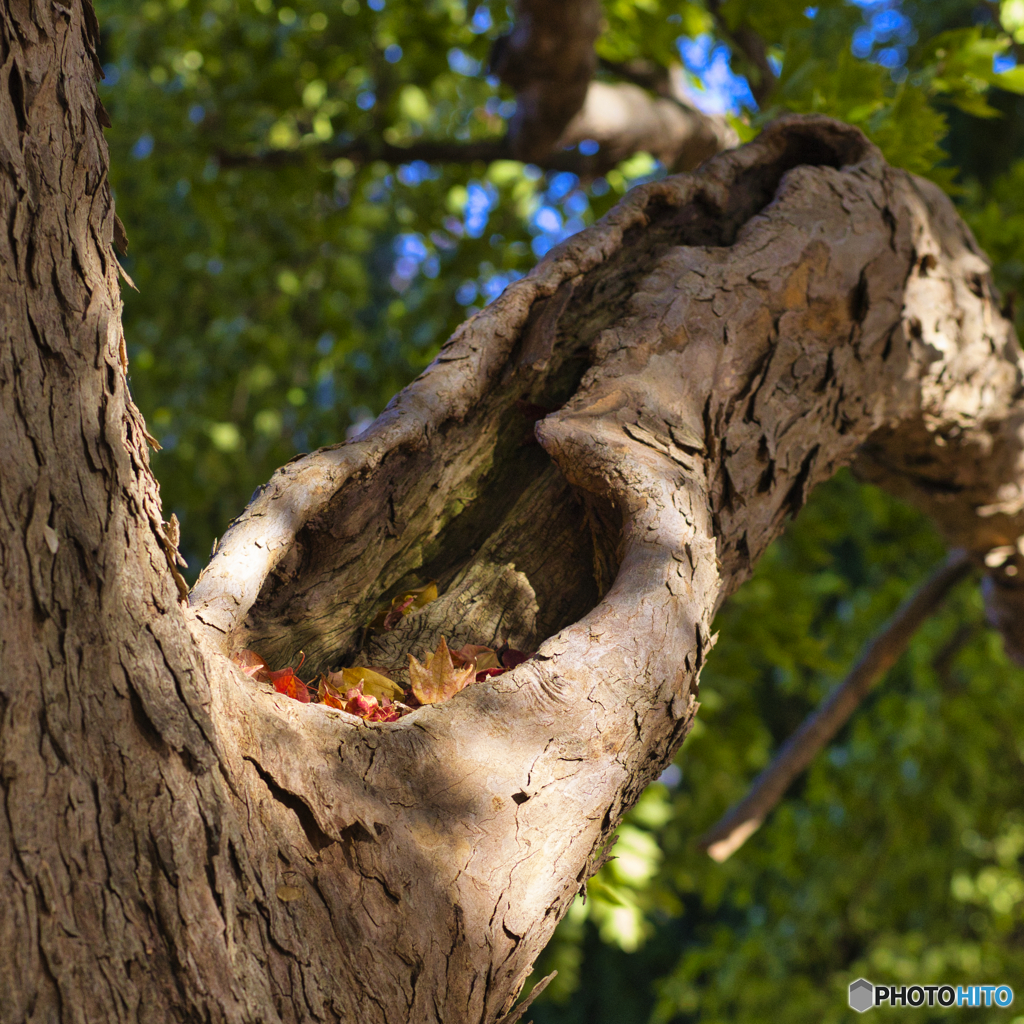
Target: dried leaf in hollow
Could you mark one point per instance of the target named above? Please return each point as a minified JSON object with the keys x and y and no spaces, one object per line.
{"x":362,"y":692}
{"x":331,"y":700}
{"x":250,"y":663}
{"x":403,"y":604}
{"x":487,"y":673}
{"x":510,"y":657}
{"x":374,"y":684}
{"x":287,"y":682}
{"x":372,"y":710}
{"x":365,"y":680}
{"x":284,"y":680}
{"x":477,"y":655}
{"x":438,"y":679}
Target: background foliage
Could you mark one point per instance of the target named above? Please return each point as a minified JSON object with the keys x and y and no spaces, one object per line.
{"x":288,"y":285}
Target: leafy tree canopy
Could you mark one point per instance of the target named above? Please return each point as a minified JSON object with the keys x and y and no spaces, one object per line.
{"x":294,"y":269}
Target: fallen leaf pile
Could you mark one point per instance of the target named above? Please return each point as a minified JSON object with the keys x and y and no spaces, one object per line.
{"x":368,"y":693}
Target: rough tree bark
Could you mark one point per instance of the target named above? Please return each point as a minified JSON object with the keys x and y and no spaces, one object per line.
{"x":179,"y":844}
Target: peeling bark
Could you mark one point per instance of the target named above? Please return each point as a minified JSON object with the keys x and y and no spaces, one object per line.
{"x":176,"y":842}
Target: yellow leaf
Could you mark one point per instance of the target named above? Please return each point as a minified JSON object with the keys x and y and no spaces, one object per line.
{"x":424,"y":595}
{"x":365,"y":680}
{"x":373,"y":683}
{"x":438,"y":679}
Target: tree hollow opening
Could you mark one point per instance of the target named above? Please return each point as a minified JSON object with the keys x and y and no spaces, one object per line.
{"x":473,"y":504}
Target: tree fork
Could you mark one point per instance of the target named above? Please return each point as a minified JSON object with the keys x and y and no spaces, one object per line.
{"x":177,"y":843}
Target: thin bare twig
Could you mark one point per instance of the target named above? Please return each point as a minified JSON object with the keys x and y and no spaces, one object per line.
{"x":433,"y":151}
{"x":363,"y":150}
{"x":744,"y":818}
{"x":622,"y":119}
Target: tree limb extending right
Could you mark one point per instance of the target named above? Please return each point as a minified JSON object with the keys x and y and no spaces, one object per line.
{"x":746,"y":817}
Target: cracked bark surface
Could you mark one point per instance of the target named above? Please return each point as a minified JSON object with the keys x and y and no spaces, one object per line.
{"x":176,"y":842}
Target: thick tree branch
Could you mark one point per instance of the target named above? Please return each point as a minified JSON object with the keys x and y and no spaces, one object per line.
{"x":796,"y":754}
{"x":717,"y":345}
{"x":549,"y":60}
{"x":625,"y":119}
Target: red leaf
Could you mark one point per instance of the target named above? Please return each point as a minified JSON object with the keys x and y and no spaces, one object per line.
{"x":510,"y":658}
{"x":402,"y":604}
{"x":287,"y":682}
{"x":477,"y":655}
{"x":371,"y":709}
{"x":362,"y":706}
{"x":333,"y":702}
{"x":481,"y":676}
{"x":394,"y":616}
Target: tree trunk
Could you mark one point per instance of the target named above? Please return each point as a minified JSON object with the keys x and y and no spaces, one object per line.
{"x":178,"y":843}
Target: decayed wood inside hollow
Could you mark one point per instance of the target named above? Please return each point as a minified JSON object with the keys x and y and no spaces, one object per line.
{"x":533,"y":575}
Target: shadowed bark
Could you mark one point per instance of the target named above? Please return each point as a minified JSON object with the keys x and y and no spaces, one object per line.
{"x":177,"y":843}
